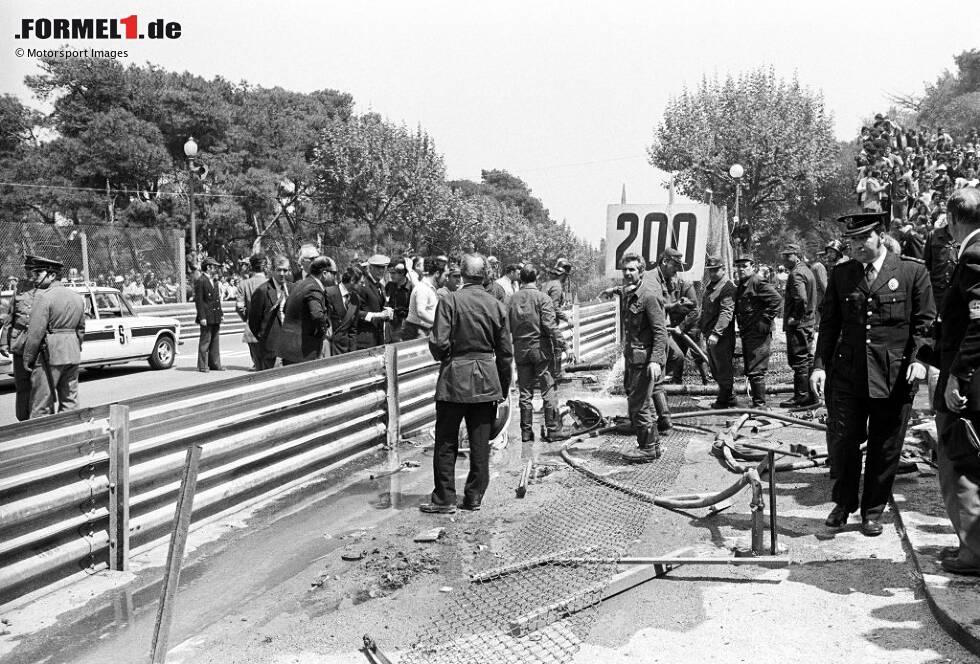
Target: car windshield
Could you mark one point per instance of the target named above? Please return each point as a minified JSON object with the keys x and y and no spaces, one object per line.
{"x":110,"y":305}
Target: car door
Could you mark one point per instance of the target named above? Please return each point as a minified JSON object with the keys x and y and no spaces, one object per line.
{"x":114,"y":321}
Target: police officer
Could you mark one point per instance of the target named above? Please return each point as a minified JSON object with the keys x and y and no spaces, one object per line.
{"x":52,"y":350}
{"x":13,"y":333}
{"x":645,"y":354}
{"x":663,"y":282}
{"x":756,"y":306}
{"x":959,"y":396}
{"x":472,"y":343}
{"x":536,"y":337}
{"x":717,"y":326}
{"x":373,"y":311}
{"x":798,"y":323}
{"x":941,"y":251}
{"x":876,"y":320}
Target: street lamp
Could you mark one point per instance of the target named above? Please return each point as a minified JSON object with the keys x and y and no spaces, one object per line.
{"x":190,"y":150}
{"x":736,"y":171}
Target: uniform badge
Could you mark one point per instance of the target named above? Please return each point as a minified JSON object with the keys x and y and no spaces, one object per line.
{"x":975,"y":310}
{"x":893,"y":284}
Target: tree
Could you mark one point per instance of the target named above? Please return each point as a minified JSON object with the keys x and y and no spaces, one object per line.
{"x":953,"y":101}
{"x":777,"y":130}
{"x":375,"y":173}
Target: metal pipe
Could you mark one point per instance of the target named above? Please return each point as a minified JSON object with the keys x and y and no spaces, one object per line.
{"x":750,"y":411}
{"x":712,"y":389}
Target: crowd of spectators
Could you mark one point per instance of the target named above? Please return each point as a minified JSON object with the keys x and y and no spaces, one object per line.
{"x":910,"y":173}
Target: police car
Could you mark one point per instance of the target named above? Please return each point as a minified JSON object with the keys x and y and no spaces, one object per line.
{"x":115,"y":334}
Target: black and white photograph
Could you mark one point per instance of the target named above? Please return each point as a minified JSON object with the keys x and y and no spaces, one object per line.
{"x":424,"y":332}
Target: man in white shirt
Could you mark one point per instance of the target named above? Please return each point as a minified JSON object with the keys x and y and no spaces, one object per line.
{"x":422,"y":304}
{"x":510,"y":280}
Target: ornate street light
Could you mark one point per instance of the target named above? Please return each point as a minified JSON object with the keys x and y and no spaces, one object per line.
{"x":736,"y":171}
{"x":190,"y":150}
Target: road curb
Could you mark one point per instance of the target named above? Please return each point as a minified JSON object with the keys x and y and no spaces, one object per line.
{"x":922,"y":540}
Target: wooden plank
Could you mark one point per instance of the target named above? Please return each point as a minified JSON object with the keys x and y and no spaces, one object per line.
{"x":118,"y":487}
{"x":175,"y":556}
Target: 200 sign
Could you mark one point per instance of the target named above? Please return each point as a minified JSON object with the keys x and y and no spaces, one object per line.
{"x":663,"y":227}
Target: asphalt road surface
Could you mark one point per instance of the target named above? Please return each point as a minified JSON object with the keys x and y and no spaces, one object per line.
{"x":136,"y":379}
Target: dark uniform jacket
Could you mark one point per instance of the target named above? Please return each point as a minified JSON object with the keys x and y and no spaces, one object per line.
{"x":819,"y":271}
{"x":306,"y":322}
{"x":870,"y":333}
{"x":800,"y":298}
{"x":58,"y":320}
{"x":343,"y":320}
{"x":940,"y":258}
{"x":645,"y":323}
{"x":756,"y":306}
{"x":718,"y":309}
{"x":959,"y":345}
{"x":471,"y":341}
{"x":682,"y":314}
{"x":531,"y":316}
{"x":207,"y":299}
{"x":13,"y":334}
{"x":370,"y":299}
{"x":398,"y":296}
{"x":263,"y":314}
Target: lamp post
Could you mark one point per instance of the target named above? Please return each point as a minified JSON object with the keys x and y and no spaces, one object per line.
{"x":190,"y":150}
{"x":736,"y":171}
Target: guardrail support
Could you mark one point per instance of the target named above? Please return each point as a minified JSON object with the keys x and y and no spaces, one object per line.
{"x":175,"y":556}
{"x":118,"y":487}
{"x":617,"y":298}
{"x":393,"y":423}
{"x":576,"y":329}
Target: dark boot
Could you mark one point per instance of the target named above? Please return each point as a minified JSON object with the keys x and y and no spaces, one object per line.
{"x":648,"y":447}
{"x":725,"y":398}
{"x":527,"y":425}
{"x":702,"y":369}
{"x":663,"y":412}
{"x":554,"y":430}
{"x":757,"y":388}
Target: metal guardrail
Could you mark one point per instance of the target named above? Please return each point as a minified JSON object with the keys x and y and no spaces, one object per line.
{"x":186,"y":313}
{"x":78,"y":489}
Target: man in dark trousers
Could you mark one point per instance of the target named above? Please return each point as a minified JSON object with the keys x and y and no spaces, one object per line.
{"x":246,"y":289}
{"x":958,"y":397}
{"x":266,"y":313}
{"x":13,"y":333}
{"x":305,"y":323}
{"x":756,"y":306}
{"x":798,"y":323}
{"x":373,"y":311}
{"x":941,"y":251}
{"x":534,"y":330}
{"x":877,"y":318}
{"x":645,"y":353}
{"x":342,"y":305}
{"x":472,"y":343}
{"x":52,"y":351}
{"x":556,"y":288}
{"x":717,"y":326}
{"x":207,"y":299}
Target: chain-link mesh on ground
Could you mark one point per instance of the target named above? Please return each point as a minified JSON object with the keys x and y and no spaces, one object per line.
{"x":586,"y":519}
{"x":99,"y":253}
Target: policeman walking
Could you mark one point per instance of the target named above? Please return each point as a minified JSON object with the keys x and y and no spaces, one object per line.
{"x":756,"y":306}
{"x":52,"y":350}
{"x":717,"y":326}
{"x":876,"y":321}
{"x":645,"y":355}
{"x":472,"y":343}
{"x":798,"y":323}
{"x":13,"y":333}
{"x":536,"y":337}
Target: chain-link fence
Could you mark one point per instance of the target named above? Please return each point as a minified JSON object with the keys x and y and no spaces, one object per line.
{"x":133,"y":258}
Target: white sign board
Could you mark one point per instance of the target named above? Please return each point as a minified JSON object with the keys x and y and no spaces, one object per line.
{"x":649,"y":229}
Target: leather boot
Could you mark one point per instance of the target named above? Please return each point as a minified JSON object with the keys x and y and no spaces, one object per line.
{"x":553,"y":428}
{"x":757,"y":387}
{"x":648,"y":447}
{"x":527,"y":425}
{"x":725,"y":398}
{"x":702,"y":369}
{"x":796,"y":399}
{"x":663,"y":412}
{"x":806,"y":397}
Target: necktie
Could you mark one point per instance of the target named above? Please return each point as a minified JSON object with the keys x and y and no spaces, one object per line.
{"x":280,"y":304}
{"x":870,"y":273}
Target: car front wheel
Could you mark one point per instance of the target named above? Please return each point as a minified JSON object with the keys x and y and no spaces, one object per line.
{"x":163,"y":353}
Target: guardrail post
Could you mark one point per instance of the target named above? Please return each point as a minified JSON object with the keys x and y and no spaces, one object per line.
{"x":118,"y":487}
{"x":393,"y":424}
{"x":576,"y":330}
{"x":175,"y":556}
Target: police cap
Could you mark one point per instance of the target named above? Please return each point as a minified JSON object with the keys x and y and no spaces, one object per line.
{"x":791,"y":249}
{"x":379,"y":260}
{"x":859,"y":224}
{"x":41,"y":263}
{"x":713,"y":263}
{"x":562,"y":266}
{"x":672,"y":254}
{"x":746,"y":257}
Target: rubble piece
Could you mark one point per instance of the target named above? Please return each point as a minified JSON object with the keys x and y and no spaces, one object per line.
{"x":352,"y":556}
{"x":430,"y":535}
{"x":525,"y":478}
{"x":719,"y":507}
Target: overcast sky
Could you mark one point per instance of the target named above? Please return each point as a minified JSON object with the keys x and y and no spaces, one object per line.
{"x":565,"y":95}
